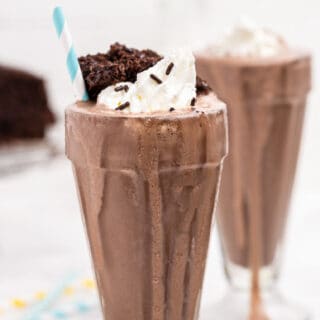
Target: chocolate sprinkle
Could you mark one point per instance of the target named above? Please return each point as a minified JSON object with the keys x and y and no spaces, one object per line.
{"x":123,"y":106}
{"x":169,"y":69}
{"x":120,"y":88}
{"x":155,"y":78}
{"x":193,"y":102}
{"x":172,"y":109}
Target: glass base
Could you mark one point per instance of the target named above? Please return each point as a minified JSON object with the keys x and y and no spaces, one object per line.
{"x":236,"y":306}
{"x":240,"y":277}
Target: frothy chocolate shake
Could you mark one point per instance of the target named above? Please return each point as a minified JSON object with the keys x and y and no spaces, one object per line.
{"x":147,"y":158}
{"x":265,"y":85}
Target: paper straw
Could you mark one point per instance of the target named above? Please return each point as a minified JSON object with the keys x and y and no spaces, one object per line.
{"x":73,"y":66}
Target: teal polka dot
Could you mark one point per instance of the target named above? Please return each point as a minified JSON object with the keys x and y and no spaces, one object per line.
{"x":58,"y":314}
{"x":82,"y":307}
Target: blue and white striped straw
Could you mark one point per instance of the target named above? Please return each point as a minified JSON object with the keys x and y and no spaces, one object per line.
{"x":72,"y":59}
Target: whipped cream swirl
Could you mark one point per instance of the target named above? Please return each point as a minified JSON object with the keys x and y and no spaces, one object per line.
{"x":171,"y":83}
{"x":247,"y":39}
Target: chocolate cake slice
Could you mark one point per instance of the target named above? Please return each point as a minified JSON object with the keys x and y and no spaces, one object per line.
{"x":24,"y":108}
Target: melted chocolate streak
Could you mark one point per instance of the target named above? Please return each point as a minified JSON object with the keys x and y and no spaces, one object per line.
{"x":148,"y":222}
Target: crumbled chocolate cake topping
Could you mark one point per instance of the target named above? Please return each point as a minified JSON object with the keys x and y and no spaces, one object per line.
{"x":121,"y":64}
{"x":202,"y":87}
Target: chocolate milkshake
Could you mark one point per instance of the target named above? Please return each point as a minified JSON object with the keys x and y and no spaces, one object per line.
{"x":147,"y":158}
{"x":265,"y":85}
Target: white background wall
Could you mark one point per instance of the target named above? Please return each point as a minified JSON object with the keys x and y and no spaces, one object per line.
{"x":27,"y":39}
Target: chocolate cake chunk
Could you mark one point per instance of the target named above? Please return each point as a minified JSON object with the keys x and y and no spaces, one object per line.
{"x":202,"y":87}
{"x":121,"y":64}
{"x":24,"y":109}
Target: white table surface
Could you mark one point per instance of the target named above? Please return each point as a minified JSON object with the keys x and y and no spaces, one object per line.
{"x":41,"y":239}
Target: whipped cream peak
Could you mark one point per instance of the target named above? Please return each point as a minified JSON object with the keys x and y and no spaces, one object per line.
{"x":247,"y":39}
{"x":170,"y":83}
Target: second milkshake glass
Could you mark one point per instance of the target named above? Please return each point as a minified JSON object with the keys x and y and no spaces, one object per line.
{"x":148,"y":186}
{"x":266,"y":101}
